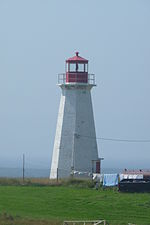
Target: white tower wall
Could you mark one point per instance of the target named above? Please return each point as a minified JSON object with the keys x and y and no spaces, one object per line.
{"x":75,"y":143}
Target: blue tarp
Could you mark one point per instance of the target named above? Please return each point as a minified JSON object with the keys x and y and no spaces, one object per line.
{"x":110,"y":180}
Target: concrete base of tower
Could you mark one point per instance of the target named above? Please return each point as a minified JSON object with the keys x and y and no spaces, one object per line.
{"x":75,"y":145}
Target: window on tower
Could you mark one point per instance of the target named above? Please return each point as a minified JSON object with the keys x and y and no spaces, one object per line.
{"x":77,"y":67}
{"x":86,"y":67}
{"x":72,"y":67}
{"x":81,"y":67}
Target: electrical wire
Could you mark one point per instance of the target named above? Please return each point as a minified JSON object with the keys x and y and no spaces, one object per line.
{"x":117,"y":139}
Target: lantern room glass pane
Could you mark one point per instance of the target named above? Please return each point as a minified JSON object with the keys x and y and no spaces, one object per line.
{"x":67,"y":67}
{"x":77,"y":67}
{"x":86,"y":67}
{"x":72,"y":67}
{"x":80,"y":67}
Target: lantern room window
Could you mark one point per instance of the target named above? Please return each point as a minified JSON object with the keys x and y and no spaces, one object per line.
{"x":81,"y":67}
{"x":77,"y":67}
{"x":72,"y":67}
{"x":86,"y":67}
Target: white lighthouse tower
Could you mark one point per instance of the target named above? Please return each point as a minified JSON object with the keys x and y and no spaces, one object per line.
{"x":75,"y":147}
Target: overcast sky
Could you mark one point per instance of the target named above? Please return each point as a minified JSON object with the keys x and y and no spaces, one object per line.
{"x":36,"y":36}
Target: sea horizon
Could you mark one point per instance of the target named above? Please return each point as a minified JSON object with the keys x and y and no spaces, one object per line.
{"x":10,"y":172}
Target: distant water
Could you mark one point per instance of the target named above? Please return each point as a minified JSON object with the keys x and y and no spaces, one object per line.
{"x":17,"y":172}
{"x":43,"y":173}
{"x":112,"y":170}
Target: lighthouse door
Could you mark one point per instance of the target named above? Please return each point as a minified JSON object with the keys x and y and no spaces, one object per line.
{"x":98,"y":167}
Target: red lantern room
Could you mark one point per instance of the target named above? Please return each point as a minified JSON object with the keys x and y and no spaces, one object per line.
{"x":76,"y":69}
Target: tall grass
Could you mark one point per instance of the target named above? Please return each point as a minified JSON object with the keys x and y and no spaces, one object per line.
{"x":71,"y":182}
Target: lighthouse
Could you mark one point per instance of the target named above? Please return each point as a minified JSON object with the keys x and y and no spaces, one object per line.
{"x":75,"y":146}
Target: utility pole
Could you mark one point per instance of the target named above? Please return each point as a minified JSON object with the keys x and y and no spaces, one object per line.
{"x":23,"y":168}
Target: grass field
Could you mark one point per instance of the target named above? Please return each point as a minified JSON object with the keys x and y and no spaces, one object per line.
{"x":32,"y":204}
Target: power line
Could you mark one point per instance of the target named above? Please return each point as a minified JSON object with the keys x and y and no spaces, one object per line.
{"x":76,"y":135}
{"x":117,"y":139}
{"x":125,"y":140}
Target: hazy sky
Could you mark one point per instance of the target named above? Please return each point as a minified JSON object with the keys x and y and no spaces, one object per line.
{"x":36,"y":36}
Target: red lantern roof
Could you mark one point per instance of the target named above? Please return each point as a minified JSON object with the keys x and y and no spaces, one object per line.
{"x":77,"y":58}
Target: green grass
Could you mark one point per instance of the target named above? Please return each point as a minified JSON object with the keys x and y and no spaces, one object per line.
{"x":52,"y":204}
